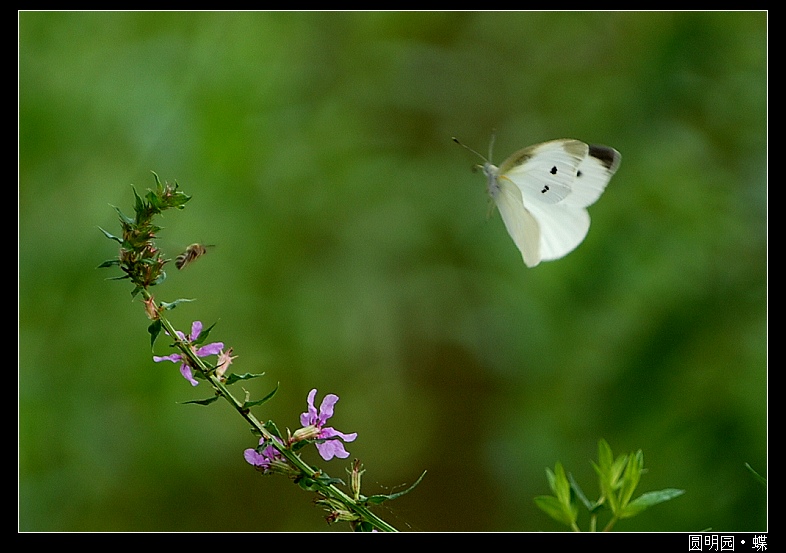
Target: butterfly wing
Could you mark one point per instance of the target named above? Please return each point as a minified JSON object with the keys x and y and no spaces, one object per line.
{"x":558,"y":180}
{"x":542,"y":192}
{"x":592,"y":176}
{"x":520,"y":224}
{"x":562,"y":228}
{"x":545,"y":172}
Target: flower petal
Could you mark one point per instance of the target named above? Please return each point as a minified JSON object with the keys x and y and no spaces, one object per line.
{"x":310,"y":417}
{"x":326,"y":409}
{"x":330,"y":432}
{"x":196,"y":330}
{"x":185,"y":370}
{"x":254,"y":458}
{"x":332,"y":448}
{"x":210,"y":349}
{"x":175,"y":358}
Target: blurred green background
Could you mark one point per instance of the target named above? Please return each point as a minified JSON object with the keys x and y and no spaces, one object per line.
{"x":354,"y":254}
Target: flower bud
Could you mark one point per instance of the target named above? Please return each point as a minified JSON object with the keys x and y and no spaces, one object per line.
{"x":309,"y":432}
{"x":354,"y":478}
{"x":151,"y":310}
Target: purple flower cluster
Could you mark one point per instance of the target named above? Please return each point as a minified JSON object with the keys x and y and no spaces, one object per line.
{"x":203,"y":351}
{"x":264,"y":458}
{"x":314,"y":428}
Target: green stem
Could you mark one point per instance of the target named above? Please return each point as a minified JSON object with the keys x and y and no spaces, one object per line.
{"x":328,"y":490}
{"x":611,"y":524}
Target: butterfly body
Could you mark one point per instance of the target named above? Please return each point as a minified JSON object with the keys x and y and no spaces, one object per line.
{"x":542,"y":193}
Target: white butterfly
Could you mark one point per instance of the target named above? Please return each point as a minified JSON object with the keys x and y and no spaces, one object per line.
{"x":542,"y":193}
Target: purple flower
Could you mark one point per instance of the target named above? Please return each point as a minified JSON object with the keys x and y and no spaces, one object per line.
{"x":210,"y":349}
{"x":331,"y":447}
{"x":264,"y":458}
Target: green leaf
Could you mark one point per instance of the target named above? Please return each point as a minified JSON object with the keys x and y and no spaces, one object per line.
{"x":592,"y":506}
{"x":561,"y":506}
{"x":232,"y":378}
{"x":631,"y":477}
{"x":154,"y":330}
{"x":207,"y":401}
{"x":123,"y":218}
{"x":139,"y":207}
{"x":609,"y":471}
{"x":204,"y":334}
{"x":555,"y":509}
{"x":161,"y":278}
{"x":311,"y":484}
{"x":111,"y":236}
{"x":174,"y":304}
{"x":647,"y":500}
{"x":562,"y":486}
{"x":110,"y":263}
{"x":271,"y":427}
{"x":617,"y":468}
{"x":247,"y":404}
{"x":381,"y":498}
{"x":364,"y":526}
{"x":605,"y":457}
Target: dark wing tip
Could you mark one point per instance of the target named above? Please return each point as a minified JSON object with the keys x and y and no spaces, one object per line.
{"x":609,"y":157}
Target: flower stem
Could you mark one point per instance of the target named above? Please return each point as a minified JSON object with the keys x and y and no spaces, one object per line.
{"x":328,"y":490}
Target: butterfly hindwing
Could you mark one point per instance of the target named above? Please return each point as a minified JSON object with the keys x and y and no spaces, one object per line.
{"x":562,"y":228}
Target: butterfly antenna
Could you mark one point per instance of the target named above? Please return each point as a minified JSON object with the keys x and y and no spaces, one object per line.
{"x":457,"y":141}
{"x":491,"y":143}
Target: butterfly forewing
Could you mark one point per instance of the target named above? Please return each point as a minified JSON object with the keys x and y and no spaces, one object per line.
{"x":521,"y":226}
{"x":545,"y":172}
{"x":593,"y":175}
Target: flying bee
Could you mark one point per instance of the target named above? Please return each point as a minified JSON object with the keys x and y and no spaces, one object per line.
{"x":192,"y":253}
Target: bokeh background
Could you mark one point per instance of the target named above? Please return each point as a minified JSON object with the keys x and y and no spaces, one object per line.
{"x":354,"y":253}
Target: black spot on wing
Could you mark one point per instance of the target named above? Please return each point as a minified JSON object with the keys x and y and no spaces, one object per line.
{"x":553,"y":170}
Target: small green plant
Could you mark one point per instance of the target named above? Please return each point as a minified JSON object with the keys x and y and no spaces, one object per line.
{"x":618,"y":479}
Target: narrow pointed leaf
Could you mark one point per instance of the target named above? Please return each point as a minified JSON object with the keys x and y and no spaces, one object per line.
{"x":172,"y":305}
{"x":631,"y":477}
{"x":109,"y":263}
{"x":232,"y":378}
{"x":154,"y":330}
{"x":248,"y":404}
{"x":649,"y":499}
{"x":111,"y":236}
{"x":204,"y":334}
{"x":123,"y":217}
{"x":555,"y":509}
{"x":592,"y":506}
{"x":207,"y":401}
{"x":381,"y":498}
{"x":271,"y":427}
